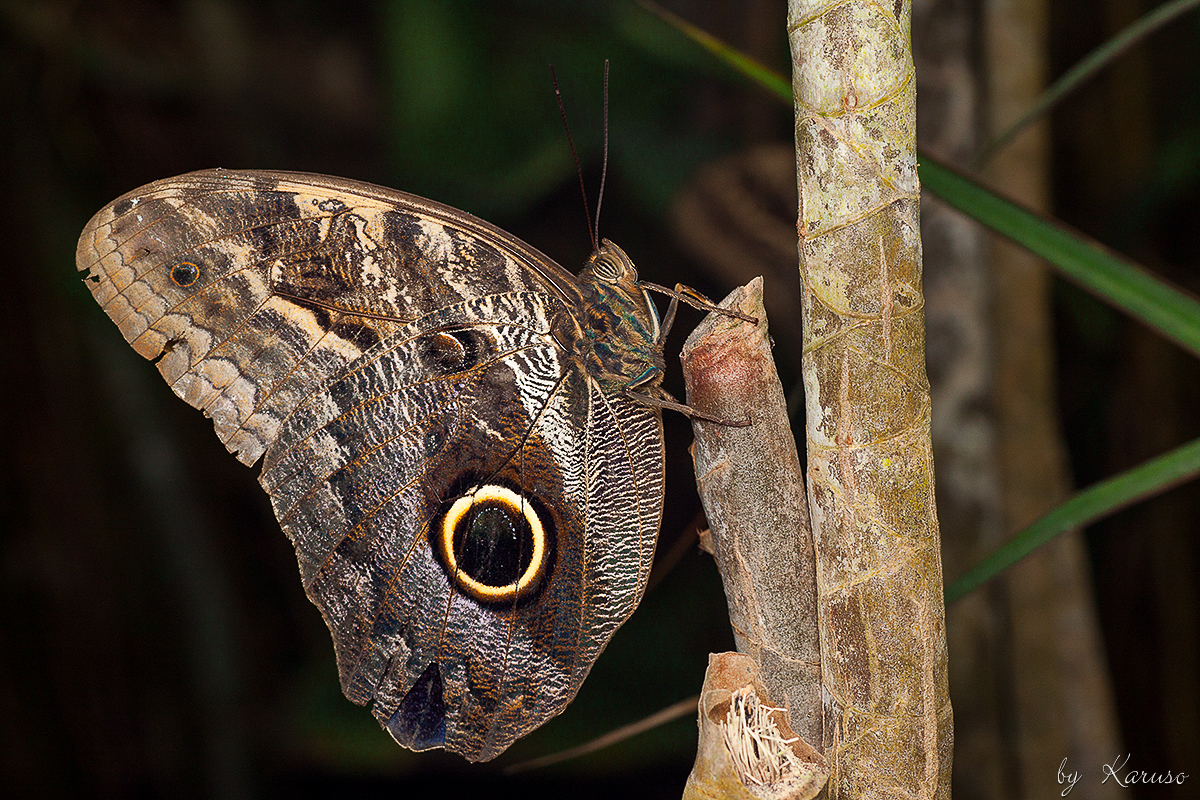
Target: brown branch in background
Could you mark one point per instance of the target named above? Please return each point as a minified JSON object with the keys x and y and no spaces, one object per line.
{"x":870,"y":468}
{"x":1058,"y":696}
{"x":752,"y":488}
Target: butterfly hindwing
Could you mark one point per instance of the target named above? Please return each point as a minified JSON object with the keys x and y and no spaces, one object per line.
{"x":363,"y":472}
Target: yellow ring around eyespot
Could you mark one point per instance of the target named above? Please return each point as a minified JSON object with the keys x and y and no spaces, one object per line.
{"x":517,"y":505}
{"x":194,"y":277}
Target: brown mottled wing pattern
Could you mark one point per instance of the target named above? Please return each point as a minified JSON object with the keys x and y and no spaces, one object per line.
{"x":511,"y":412}
{"x":296,"y":275}
{"x":387,"y":354}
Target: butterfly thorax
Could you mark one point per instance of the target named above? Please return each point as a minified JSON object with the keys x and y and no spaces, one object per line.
{"x":619,"y":341}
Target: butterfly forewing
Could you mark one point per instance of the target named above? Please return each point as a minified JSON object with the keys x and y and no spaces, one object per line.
{"x":285,"y":279}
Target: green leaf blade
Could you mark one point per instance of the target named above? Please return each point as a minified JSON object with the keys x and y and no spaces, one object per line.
{"x":1097,"y":501}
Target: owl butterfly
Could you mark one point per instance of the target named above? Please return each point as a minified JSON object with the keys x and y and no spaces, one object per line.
{"x":462,"y":440}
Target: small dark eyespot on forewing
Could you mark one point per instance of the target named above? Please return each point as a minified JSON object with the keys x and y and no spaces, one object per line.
{"x":185,"y":274}
{"x":442,"y":352}
{"x":329,"y":205}
{"x":450,"y":351}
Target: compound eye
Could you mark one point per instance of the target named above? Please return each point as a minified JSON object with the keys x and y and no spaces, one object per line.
{"x":606,"y":268}
{"x":611,"y":265}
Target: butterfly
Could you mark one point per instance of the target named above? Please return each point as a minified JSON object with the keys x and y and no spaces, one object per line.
{"x":462,"y":440}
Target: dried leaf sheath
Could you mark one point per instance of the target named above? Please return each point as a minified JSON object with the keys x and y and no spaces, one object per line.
{"x":752,"y":486}
{"x":889,"y":730}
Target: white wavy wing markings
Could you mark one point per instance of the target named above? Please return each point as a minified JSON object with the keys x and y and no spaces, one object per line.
{"x":624,"y":502}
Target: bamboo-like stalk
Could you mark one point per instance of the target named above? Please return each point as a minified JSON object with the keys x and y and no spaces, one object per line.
{"x":870,"y":467}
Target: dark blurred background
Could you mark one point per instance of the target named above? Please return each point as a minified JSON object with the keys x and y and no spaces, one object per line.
{"x":154,"y":637}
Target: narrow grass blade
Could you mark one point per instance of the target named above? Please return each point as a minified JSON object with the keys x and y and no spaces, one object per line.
{"x":759,"y":73}
{"x":1085,"y":69}
{"x":1095,"y":502}
{"x":1167,"y":309}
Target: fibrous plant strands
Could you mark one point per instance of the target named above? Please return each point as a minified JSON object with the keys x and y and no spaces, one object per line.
{"x":747,"y":749}
{"x":870,"y":467}
{"x":760,"y":754}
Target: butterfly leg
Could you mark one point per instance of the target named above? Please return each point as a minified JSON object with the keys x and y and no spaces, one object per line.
{"x":668,"y":402}
{"x":667,"y":321}
{"x":694,"y":299}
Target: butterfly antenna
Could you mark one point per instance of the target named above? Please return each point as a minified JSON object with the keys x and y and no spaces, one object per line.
{"x":575,"y":155}
{"x":604,"y":166}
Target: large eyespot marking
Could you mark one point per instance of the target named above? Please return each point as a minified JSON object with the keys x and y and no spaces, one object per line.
{"x":493,"y":544}
{"x":185,"y":274}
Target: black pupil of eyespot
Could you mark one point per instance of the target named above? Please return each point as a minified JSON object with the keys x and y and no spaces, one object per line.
{"x":185,"y":274}
{"x":493,"y":545}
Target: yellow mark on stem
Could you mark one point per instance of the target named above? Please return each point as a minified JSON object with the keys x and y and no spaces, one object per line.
{"x":885,"y":304}
{"x":845,"y":440}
